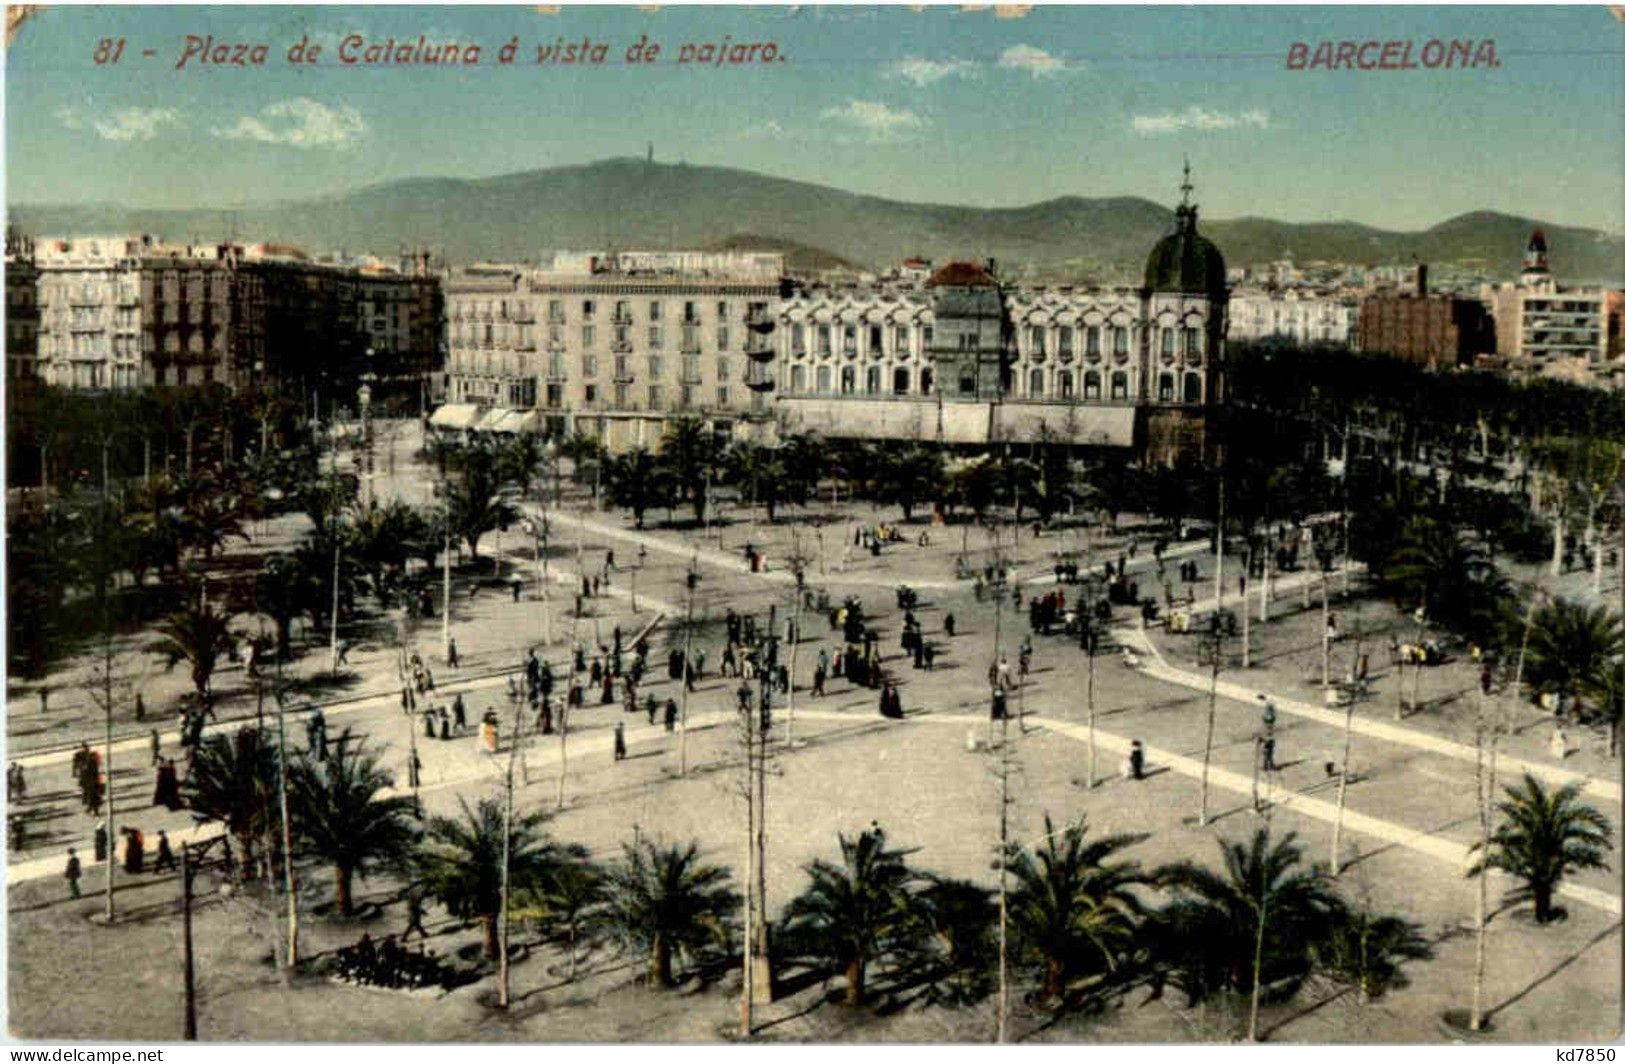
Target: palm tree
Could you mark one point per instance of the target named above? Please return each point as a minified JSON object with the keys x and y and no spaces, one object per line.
{"x":197,"y":635}
{"x":960,"y":916}
{"x":1364,"y":949}
{"x":474,"y":502}
{"x":584,"y":452}
{"x":635,"y":481}
{"x":1252,"y":925}
{"x":1572,"y":648}
{"x":571,"y":897}
{"x":520,"y":460}
{"x":759,"y":472}
{"x":908,"y":477}
{"x":459,"y":862}
{"x":1544,"y":836}
{"x":1074,"y":908}
{"x":689,"y":451}
{"x":340,"y":814}
{"x":663,"y":900}
{"x":858,"y":910}
{"x":232,"y":781}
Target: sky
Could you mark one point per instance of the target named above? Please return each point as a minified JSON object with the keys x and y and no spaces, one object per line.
{"x":942,"y":105}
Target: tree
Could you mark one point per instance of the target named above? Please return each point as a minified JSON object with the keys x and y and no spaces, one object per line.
{"x":584,"y":452}
{"x":197,"y":635}
{"x":1363,"y":950}
{"x":634,"y":480}
{"x":758,"y":472}
{"x":520,"y":461}
{"x":1074,"y":908}
{"x":856,"y":911}
{"x":690,"y":455}
{"x":908,"y":476}
{"x":473,"y":499}
{"x":1572,"y":648}
{"x":232,"y":781}
{"x":1543,"y":837}
{"x":959,"y":918}
{"x":459,"y":862}
{"x":341,"y":816}
{"x":1251,"y":925}
{"x":571,"y":898}
{"x":664,"y":900}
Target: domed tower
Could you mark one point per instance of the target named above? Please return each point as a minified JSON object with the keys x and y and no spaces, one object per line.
{"x":1537,"y":269}
{"x":1183,"y":320}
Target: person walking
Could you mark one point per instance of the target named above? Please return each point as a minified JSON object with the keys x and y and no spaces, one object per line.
{"x":134,"y":851}
{"x":445,"y":724}
{"x":72,"y":872}
{"x":1136,"y":760}
{"x":620,"y":740}
{"x":165,"y":857}
{"x":671,"y":714}
{"x":459,"y":714}
{"x":948,"y":625}
{"x":1269,"y":754}
{"x":157,"y":746}
{"x":414,"y":914}
{"x":100,"y":842}
{"x":451,"y":652}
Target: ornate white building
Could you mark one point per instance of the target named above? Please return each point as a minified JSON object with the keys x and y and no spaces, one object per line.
{"x":1296,"y":315}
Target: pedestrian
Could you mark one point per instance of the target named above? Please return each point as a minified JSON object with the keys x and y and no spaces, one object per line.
{"x":929,"y":653}
{"x":1136,"y":760}
{"x":595,"y":587}
{"x":671,"y":714}
{"x":620,"y":740}
{"x":165,"y":858}
{"x":141,"y":707}
{"x":459,"y":714}
{"x":414,"y":770}
{"x":818,"y":681}
{"x":134,"y":851}
{"x":651,"y":707}
{"x":609,"y":558}
{"x":1560,"y":743}
{"x":157,"y":747}
{"x":451,"y":652}
{"x":445,"y":724}
{"x":1484,"y":679}
{"x":100,"y":837}
{"x":948,"y":625}
{"x":1269,"y":754}
{"x":429,"y":718}
{"x":72,"y":872}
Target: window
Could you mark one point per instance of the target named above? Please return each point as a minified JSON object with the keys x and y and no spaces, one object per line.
{"x":623,"y":335}
{"x":654,"y":310}
{"x":691,"y":312}
{"x":1119,"y":385}
{"x":589,"y":365}
{"x":623,"y":366}
{"x":621,"y":397}
{"x":1036,"y":339}
{"x":875,"y":343}
{"x":899,"y":382}
{"x":967,"y":341}
{"x":1193,"y":387}
{"x":967,"y":384}
{"x":657,"y":366}
{"x":722,"y":310}
{"x":849,"y":380}
{"x":722,"y":397}
{"x":823,"y":339}
{"x":925,"y":335}
{"x":691,"y":338}
{"x":1165,"y":388}
{"x":555,"y":364}
{"x":592,"y":393}
{"x":1091,"y":340}
{"x":926,"y":380}
{"x":1119,"y":340}
{"x":1193,"y":341}
{"x":1063,"y":381}
{"x":587,"y":308}
{"x":623,"y":310}
{"x":656,"y":337}
{"x":691,"y":367}
{"x":589,"y":335}
{"x":823,"y":380}
{"x":849,"y":339}
{"x":555,"y":395}
{"x":798,"y":378}
{"x":1066,"y":339}
{"x":798,"y":339}
{"x":555,"y":333}
{"x":871,"y":381}
{"x":555,"y":310}
{"x":1168,"y":343}
{"x":722,"y":370}
{"x":1035,"y":384}
{"x":656,"y":397}
{"x":686,"y":395}
{"x":722,"y":338}
{"x":900,"y":339}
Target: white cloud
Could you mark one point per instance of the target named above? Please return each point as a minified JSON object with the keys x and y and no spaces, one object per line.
{"x":876,"y":119}
{"x":772,"y":128}
{"x":1035,"y":61}
{"x":124,"y":124}
{"x":923,"y":72}
{"x":1199,"y":119}
{"x":299,"y":122}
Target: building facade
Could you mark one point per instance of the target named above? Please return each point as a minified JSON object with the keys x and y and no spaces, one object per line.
{"x":1296,"y":316}
{"x":1430,"y":329}
{"x":1543,"y":329}
{"x":614,"y":345}
{"x":129,"y":312}
{"x":22,"y":310}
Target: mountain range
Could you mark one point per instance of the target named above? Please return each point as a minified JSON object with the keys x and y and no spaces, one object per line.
{"x":633,"y":203}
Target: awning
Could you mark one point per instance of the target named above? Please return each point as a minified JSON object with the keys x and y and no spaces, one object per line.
{"x":455,"y":416}
{"x":510,"y":422}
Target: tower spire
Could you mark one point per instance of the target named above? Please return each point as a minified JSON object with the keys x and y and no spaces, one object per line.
{"x":1185,"y":187}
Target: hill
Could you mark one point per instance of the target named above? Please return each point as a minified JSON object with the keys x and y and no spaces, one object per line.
{"x":631,"y":203}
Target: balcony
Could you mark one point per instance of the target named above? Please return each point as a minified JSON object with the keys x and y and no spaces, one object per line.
{"x":760,"y":319}
{"x":689,"y":347}
{"x":691,"y":378}
{"x":621,"y":317}
{"x":524,"y":314}
{"x":621,"y":346}
{"x":760,"y":354}
{"x":622,"y":376}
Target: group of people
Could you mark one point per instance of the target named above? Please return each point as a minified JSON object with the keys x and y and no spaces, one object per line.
{"x":87,"y":776}
{"x":442,"y":723}
{"x":390,"y":965}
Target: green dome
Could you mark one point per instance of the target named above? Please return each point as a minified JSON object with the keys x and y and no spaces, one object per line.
{"x":1185,"y":261}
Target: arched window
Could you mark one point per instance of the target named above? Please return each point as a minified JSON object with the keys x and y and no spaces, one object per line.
{"x":1063,"y":381}
{"x":823,"y":380}
{"x":1091,"y":385}
{"x":1119,"y":385}
{"x":899,"y":381}
{"x":1035,"y":384}
{"x":926,"y":381}
{"x":849,"y":380}
{"x":1193,"y":387}
{"x":871,"y":381}
{"x":1165,"y":388}
{"x":798,"y":378}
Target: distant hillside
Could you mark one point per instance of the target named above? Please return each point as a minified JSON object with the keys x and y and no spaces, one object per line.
{"x":632,"y":203}
{"x":798,"y":258}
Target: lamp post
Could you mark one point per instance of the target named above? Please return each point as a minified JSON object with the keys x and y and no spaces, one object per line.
{"x":191,"y":855}
{"x":692,"y":580}
{"x":363,"y":397}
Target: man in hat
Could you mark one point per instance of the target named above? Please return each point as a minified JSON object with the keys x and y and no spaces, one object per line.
{"x":72,"y":872}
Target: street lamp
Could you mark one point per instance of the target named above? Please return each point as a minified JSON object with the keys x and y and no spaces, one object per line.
{"x":363,"y":397}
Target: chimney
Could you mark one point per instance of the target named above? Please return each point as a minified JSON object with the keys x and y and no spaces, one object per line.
{"x":1421,"y":279}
